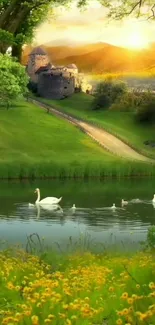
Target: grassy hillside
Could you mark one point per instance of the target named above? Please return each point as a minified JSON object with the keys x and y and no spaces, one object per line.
{"x":121,"y":124}
{"x":33,"y":143}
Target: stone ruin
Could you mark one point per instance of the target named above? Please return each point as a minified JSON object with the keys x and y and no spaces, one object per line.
{"x":50,"y":81}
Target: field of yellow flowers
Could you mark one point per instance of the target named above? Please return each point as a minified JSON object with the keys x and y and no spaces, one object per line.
{"x":88,"y":289}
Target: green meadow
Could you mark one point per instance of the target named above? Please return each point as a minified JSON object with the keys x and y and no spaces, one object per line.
{"x":121,"y":124}
{"x":36,"y":144}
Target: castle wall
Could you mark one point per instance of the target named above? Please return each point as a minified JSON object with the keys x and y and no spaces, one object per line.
{"x":55,"y":86}
{"x":34,"y":63}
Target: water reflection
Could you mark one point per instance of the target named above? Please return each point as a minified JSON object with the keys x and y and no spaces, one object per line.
{"x":91,"y":213}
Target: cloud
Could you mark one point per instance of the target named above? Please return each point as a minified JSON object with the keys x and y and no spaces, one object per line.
{"x":90,"y":26}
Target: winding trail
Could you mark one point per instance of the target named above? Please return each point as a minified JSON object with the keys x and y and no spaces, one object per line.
{"x":105,"y":139}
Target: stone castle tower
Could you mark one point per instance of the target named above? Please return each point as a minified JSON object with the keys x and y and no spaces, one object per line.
{"x":38,"y":58}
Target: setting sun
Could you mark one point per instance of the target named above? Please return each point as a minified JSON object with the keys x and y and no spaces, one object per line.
{"x":136,"y":40}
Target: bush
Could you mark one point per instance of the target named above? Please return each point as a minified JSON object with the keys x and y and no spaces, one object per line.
{"x":13,"y":80}
{"x":128,"y":102}
{"x":146,"y":111}
{"x":107,"y":92}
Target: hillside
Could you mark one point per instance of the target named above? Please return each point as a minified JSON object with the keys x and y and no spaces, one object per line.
{"x":36,"y":144}
{"x":99,"y":57}
{"x":121,"y":124}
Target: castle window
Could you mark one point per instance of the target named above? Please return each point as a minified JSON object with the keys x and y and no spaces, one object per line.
{"x":65,"y":87}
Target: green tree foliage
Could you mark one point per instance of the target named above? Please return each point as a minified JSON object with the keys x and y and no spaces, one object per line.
{"x":107,"y":92}
{"x":13,"y":80}
{"x":19,"y":18}
{"x":145,"y":113}
{"x":123,"y":8}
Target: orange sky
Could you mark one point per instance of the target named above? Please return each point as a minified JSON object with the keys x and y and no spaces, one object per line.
{"x":72,"y":25}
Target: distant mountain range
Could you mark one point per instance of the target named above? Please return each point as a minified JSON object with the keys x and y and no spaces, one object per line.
{"x":99,"y":57}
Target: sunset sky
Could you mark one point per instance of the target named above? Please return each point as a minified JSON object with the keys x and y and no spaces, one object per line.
{"x":70,"y":26}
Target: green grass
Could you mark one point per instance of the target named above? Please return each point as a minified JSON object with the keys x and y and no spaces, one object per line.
{"x":77,"y":289}
{"x":121,"y":124}
{"x":36,"y":144}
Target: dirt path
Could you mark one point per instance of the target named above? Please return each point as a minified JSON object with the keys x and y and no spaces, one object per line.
{"x":105,"y":139}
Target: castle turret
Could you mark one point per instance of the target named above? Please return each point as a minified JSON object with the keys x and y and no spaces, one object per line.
{"x":37,"y":58}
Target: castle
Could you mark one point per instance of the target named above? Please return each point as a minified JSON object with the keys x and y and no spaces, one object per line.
{"x":50,"y":81}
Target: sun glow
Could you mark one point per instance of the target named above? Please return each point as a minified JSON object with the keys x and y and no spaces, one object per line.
{"x":136,"y":40}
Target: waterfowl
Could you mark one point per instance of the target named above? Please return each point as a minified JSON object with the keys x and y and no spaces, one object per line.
{"x":47,"y":200}
{"x":123,"y":202}
{"x":113,"y":206}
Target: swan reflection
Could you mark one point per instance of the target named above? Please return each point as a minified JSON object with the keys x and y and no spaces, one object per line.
{"x":55,"y":209}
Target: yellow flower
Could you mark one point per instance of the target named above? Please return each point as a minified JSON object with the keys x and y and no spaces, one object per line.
{"x":111,"y":289}
{"x":50,"y":316}
{"x":35,"y":320}
{"x":151,"y":285}
{"x":130,"y":309}
{"x":119,"y":321}
{"x":130,"y":301}
{"x":149,"y":313}
{"x":27,"y":312}
{"x":74,"y":317}
{"x":124,"y":295}
{"x":10,"y":285}
{"x":17,"y":288}
{"x":120,"y":313}
{"x":125,"y":311}
{"x":68,"y":322}
{"x":143,"y":316}
{"x":47,"y":321}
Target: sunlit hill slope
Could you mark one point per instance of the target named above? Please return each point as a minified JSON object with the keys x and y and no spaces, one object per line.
{"x":99,"y":57}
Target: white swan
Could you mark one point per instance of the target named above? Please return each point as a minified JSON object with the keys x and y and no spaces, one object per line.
{"x":153,"y":200}
{"x":123,"y":202}
{"x":47,"y":200}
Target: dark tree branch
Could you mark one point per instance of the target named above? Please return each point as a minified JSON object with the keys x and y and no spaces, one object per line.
{"x":153,"y":13}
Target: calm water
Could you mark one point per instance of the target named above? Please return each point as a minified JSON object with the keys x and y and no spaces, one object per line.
{"x":123,"y":227}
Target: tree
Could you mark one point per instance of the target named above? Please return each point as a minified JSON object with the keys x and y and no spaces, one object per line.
{"x":13,"y":80}
{"x":19,"y":18}
{"x":123,"y":8}
{"x":107,"y":92}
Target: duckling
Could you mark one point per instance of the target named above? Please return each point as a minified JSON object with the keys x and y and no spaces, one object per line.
{"x":73,"y":208}
{"x":123,"y":202}
{"x":113,"y":206}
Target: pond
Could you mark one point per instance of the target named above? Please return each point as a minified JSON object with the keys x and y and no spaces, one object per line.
{"x":93,"y":219}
